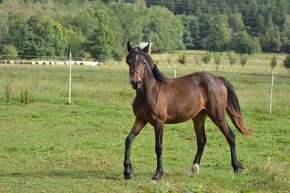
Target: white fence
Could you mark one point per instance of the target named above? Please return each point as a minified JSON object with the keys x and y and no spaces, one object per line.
{"x":46,"y":62}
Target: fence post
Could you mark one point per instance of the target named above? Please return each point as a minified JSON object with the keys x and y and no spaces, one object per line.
{"x":271,"y":95}
{"x":69,"y":91}
{"x":174,"y":70}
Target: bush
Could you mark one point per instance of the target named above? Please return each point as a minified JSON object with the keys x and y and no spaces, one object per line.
{"x":24,"y":96}
{"x":182,"y":59}
{"x":206,"y":58}
{"x":243,"y":60}
{"x":286,"y":63}
{"x":7,"y":92}
{"x":217,"y":60}
{"x":273,"y":62}
{"x":232,"y":59}
{"x":9,"y":51}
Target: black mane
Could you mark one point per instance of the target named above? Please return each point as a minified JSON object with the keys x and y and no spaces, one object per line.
{"x":159,"y":75}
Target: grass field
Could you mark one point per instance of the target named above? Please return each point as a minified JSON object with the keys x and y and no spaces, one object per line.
{"x":49,"y":146}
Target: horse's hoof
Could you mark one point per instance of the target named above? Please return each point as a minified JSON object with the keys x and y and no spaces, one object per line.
{"x":128,"y":176}
{"x":238,"y":170}
{"x":157,"y":176}
{"x":195,"y":168}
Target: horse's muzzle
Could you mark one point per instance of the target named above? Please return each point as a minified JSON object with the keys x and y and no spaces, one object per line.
{"x":136,"y":84}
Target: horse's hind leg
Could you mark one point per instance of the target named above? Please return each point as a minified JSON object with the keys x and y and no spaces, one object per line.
{"x":198,"y":121}
{"x":220,"y":121}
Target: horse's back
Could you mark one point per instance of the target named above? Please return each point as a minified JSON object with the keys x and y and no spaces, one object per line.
{"x":209,"y":87}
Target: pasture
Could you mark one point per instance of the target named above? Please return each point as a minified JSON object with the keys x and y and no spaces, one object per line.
{"x":49,"y":146}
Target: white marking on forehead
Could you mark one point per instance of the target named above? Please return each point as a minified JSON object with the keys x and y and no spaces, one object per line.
{"x":136,"y":57}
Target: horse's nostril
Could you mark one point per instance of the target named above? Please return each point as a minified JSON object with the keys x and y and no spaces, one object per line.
{"x":139,"y":81}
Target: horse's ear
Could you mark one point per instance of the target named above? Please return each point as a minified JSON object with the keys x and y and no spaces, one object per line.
{"x":129,"y":47}
{"x":146,"y":48}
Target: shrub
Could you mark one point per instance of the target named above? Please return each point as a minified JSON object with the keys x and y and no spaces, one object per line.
{"x":217,"y":60}
{"x":7,"y":92}
{"x":9,"y":51}
{"x":24,"y":96}
{"x":243,"y":60}
{"x":182,"y":59}
{"x":286,"y":63}
{"x":206,"y":58}
{"x":273,"y":62}
{"x":232,"y":59}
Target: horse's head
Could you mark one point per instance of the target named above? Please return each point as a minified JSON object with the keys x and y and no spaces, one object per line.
{"x":137,"y":60}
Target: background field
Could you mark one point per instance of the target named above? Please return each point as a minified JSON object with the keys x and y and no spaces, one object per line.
{"x":49,"y":146}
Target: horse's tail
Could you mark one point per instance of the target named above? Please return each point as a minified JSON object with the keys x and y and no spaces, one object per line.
{"x":233,"y":108}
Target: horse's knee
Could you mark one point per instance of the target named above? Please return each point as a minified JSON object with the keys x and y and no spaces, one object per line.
{"x":201,"y":141}
{"x":231,"y":137}
{"x":158,"y":149}
{"x":129,"y":140}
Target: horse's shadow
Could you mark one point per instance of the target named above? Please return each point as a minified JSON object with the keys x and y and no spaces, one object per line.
{"x":73,"y":174}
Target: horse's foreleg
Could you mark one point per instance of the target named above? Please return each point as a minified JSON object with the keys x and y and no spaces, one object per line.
{"x":158,"y":149}
{"x":138,"y":125}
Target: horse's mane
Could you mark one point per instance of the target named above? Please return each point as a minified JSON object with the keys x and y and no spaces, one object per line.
{"x":158,"y":75}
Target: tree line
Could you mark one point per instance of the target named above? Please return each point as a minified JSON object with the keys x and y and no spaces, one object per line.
{"x":99,"y":29}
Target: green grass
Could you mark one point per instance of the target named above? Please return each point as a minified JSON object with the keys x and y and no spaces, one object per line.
{"x":49,"y":146}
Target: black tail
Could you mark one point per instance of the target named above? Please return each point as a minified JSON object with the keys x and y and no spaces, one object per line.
{"x":233,"y":108}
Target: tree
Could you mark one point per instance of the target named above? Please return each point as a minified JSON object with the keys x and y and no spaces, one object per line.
{"x":100,"y":43}
{"x":219,"y":36}
{"x":182,"y":59}
{"x":191,"y":31}
{"x":48,"y":37}
{"x":38,"y":36}
{"x":270,"y":40}
{"x":250,"y":15}
{"x":243,"y":60}
{"x":75,"y":42}
{"x":163,"y":29}
{"x":245,"y":44}
{"x":206,"y":26}
{"x":236,"y":22}
{"x":9,"y":52}
{"x":19,"y":36}
{"x":127,"y":24}
{"x":254,"y":45}
{"x":206,"y":58}
{"x":273,"y":62}
{"x":286,"y":63}
{"x":217,"y":60}
{"x":285,"y":35}
{"x":232,"y":59}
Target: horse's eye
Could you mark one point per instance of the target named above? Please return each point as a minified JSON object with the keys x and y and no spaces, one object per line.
{"x":129,"y":61}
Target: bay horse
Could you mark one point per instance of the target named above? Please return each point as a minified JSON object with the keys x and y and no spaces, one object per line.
{"x":161,"y":100}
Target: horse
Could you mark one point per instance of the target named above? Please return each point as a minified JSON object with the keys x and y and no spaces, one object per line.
{"x":161,"y":100}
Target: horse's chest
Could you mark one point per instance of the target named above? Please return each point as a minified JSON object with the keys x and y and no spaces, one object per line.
{"x":148,"y":111}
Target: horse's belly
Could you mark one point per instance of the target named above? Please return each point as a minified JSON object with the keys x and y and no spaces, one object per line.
{"x":180,"y":117}
{"x":176,"y":120}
